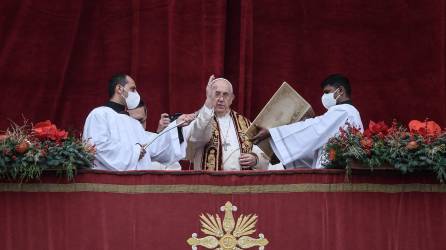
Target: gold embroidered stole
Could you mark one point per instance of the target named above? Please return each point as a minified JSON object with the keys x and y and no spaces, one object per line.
{"x":213,"y":155}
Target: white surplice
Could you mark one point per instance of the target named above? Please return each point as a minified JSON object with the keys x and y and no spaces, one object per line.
{"x":163,"y":165}
{"x":231,"y":147}
{"x":197,"y":134}
{"x":116,"y":136}
{"x":301,"y":144}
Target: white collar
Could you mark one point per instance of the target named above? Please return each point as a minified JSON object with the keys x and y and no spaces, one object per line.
{"x":225,"y":117}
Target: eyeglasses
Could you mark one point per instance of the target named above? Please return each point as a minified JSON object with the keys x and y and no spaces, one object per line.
{"x":224,"y":95}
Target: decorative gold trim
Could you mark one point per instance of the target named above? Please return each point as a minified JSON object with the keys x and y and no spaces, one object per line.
{"x":212,"y":154}
{"x":215,"y":189}
{"x":228,"y":235}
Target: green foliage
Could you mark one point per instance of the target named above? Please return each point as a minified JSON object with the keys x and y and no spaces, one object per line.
{"x":407,"y":151}
{"x":24,"y":156}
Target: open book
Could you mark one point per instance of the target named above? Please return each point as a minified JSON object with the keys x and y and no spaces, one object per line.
{"x":285,"y":107}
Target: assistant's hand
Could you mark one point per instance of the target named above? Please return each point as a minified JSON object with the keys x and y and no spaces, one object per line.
{"x":185,"y":119}
{"x":308,"y":114}
{"x":142,"y":151}
{"x":163,"y":123}
{"x":261,"y":135}
{"x":248,"y":160}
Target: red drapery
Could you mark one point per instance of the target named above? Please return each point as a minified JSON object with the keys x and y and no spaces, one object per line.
{"x":56,"y":56}
{"x":297,"y":209}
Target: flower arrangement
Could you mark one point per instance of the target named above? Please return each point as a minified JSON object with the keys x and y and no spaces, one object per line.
{"x":27,"y":150}
{"x":419,"y":146}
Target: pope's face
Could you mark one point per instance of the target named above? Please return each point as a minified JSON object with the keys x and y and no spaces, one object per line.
{"x":139,"y":114}
{"x":223,"y":97}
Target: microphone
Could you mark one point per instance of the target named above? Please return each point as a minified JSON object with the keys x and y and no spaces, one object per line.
{"x":162,"y":133}
{"x":167,"y":130}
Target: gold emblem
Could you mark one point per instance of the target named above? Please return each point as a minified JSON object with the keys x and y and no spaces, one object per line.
{"x":228,"y":235}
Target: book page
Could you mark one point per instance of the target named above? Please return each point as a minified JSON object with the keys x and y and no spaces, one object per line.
{"x":286,"y":106}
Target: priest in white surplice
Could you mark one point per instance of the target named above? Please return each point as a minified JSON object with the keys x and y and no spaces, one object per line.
{"x":120,"y":140}
{"x":301,"y":144}
{"x":195,"y":135}
{"x":140,"y":114}
{"x":195,"y":138}
{"x":227,"y":146}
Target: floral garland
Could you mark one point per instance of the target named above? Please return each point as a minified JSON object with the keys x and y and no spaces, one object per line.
{"x":26,"y":151}
{"x":419,"y":146}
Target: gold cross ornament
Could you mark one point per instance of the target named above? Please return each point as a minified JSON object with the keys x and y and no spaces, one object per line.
{"x":228,"y":235}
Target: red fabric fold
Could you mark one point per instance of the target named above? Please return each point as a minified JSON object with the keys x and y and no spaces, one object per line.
{"x":57,"y":57}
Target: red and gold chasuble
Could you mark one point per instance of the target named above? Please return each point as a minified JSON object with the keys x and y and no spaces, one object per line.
{"x":213,"y":154}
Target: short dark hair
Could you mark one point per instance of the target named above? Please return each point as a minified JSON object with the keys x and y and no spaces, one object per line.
{"x":142,"y":104}
{"x":337,"y":80}
{"x":115,"y":80}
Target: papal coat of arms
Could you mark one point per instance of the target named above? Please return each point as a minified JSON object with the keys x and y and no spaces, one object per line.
{"x":228,"y":235}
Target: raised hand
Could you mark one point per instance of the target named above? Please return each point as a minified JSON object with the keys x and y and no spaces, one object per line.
{"x":210,"y":92}
{"x":163,"y":123}
{"x":185,"y":119}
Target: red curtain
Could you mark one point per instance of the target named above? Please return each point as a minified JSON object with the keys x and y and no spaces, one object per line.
{"x":296,"y":210}
{"x":57,"y":56}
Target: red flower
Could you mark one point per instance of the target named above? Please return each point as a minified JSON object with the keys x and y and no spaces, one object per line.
{"x":425,"y":129}
{"x":367,"y":133}
{"x":47,"y":130}
{"x":380,"y":129}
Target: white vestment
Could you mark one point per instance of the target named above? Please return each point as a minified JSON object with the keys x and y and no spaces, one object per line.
{"x":277,"y":166}
{"x":163,"y":165}
{"x":116,"y":136}
{"x":301,"y":144}
{"x":231,"y":147}
{"x":199,"y":133}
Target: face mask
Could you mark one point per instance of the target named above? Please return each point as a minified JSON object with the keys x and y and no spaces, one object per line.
{"x":328,"y":99}
{"x":132,"y":99}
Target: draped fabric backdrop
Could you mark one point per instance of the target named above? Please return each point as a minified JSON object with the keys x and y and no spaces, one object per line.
{"x":57,"y":56}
